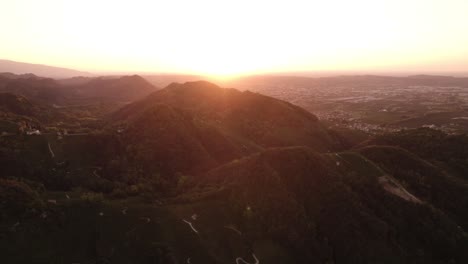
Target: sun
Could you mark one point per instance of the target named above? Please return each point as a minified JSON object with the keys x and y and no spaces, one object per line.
{"x":230,"y":57}
{"x":222,"y":63}
{"x":221,"y":69}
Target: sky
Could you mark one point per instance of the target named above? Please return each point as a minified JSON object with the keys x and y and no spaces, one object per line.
{"x":218,"y":37}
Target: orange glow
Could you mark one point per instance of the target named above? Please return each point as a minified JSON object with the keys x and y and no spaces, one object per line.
{"x":229,"y":38}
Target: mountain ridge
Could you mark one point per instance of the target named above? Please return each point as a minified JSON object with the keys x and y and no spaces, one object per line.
{"x":39,"y":69}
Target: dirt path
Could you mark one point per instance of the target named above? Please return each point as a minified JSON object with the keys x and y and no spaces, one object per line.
{"x":242,"y":261}
{"x":50,"y":150}
{"x":191,"y":226}
{"x":395,"y":188}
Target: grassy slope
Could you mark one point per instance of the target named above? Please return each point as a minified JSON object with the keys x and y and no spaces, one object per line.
{"x":74,"y":232}
{"x":292,"y":205}
{"x":341,"y":209}
{"x":428,"y":182}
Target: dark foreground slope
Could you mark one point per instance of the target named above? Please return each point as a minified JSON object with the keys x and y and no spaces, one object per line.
{"x":282,"y":205}
{"x":425,"y":180}
{"x":338,"y":208}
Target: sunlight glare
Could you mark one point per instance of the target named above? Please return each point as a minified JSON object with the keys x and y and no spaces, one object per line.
{"x":227,"y":38}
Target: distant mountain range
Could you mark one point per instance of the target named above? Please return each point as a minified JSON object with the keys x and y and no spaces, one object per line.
{"x":76,"y":90}
{"x":39,"y":69}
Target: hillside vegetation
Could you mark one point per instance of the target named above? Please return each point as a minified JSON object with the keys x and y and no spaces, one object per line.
{"x":196,"y":173}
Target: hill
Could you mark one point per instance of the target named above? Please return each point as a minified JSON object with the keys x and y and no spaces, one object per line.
{"x":250,"y":117}
{"x":125,"y":88}
{"x":18,"y":114}
{"x":429,"y":182}
{"x":449,"y":152}
{"x":334,"y":208}
{"x":16,"y":104}
{"x":39,"y":69}
{"x":187,"y":129}
{"x":10,"y":75}
{"x":169,"y":140}
{"x":77,"y":90}
{"x":280,"y":206}
{"x":44,"y":90}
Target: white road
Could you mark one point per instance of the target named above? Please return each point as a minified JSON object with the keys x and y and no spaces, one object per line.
{"x":191,"y":226}
{"x":50,"y":150}
{"x":242,"y":261}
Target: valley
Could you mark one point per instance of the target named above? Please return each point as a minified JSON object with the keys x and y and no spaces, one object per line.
{"x":373,"y":104}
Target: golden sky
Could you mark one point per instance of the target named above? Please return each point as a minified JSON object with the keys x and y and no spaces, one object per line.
{"x":221,"y":37}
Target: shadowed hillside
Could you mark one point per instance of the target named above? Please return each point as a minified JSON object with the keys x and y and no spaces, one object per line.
{"x":41,"y":89}
{"x":430,"y":183}
{"x":171,"y":140}
{"x":449,"y":152}
{"x":18,"y":114}
{"x":335,"y":208}
{"x":78,"y":90}
{"x":126,"y":88}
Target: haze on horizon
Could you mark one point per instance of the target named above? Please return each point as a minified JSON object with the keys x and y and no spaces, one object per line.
{"x":216,"y":37}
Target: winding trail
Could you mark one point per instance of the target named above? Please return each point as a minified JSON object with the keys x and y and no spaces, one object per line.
{"x":50,"y":150}
{"x":239,"y":260}
{"x":191,"y":226}
{"x":233,"y":229}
